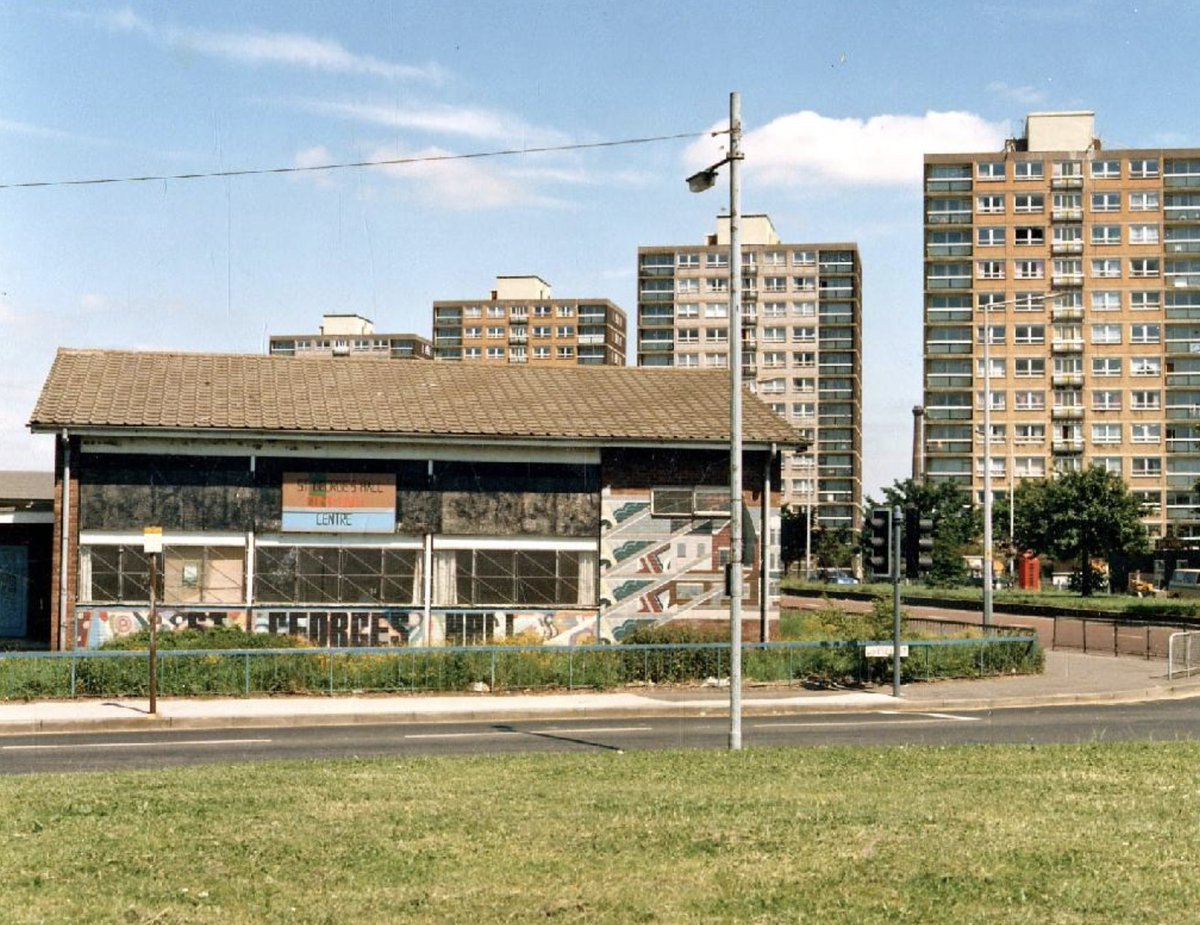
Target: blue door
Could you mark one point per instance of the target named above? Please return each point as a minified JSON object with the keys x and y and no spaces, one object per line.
{"x":14,"y":595}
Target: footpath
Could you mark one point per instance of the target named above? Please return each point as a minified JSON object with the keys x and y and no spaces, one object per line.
{"x":1069,"y":678}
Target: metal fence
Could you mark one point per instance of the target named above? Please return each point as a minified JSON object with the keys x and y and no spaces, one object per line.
{"x":1138,"y":632}
{"x":1102,"y":634}
{"x":241,"y":672}
{"x":1183,"y":654}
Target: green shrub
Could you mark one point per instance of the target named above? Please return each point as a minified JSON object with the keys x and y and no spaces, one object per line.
{"x":678,"y":633}
{"x":676,"y":665}
{"x":217,"y":637}
{"x":1171,"y":609}
{"x":983,"y":659}
{"x":34,"y":678}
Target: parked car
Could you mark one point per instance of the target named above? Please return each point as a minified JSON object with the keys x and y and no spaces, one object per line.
{"x":1184,"y":583}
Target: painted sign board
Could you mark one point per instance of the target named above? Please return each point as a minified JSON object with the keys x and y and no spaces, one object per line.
{"x":152,"y":540}
{"x":884,"y":651}
{"x":332,"y":502}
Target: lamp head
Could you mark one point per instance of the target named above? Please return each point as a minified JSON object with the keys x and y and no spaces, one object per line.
{"x":704,"y":180}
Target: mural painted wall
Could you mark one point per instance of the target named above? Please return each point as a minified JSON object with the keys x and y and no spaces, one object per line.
{"x":655,"y":568}
{"x":344,"y":627}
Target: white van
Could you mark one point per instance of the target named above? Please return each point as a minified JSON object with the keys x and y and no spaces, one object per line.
{"x":1185,"y":582}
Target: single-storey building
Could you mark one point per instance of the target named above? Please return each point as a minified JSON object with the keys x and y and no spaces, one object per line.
{"x":26,"y":530}
{"x":358,"y":502}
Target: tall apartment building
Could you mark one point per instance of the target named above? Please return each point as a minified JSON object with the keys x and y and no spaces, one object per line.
{"x":523,"y":322}
{"x":351,"y":335}
{"x":1081,"y":266}
{"x":801,"y":344}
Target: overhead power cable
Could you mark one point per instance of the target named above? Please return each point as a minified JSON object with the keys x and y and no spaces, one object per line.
{"x":349,"y":165}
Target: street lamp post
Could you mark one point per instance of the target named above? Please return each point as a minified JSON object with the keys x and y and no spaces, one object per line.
{"x":988,"y":554}
{"x":808,"y":515}
{"x":698,"y":183}
{"x":987,"y":473}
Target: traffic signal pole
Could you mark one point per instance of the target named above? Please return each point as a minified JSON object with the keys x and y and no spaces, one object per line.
{"x":897,"y":524}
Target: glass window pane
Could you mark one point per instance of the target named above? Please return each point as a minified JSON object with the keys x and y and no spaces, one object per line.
{"x":135,"y":574}
{"x":224,"y":575}
{"x":536,"y":578}
{"x":361,"y":575}
{"x":106,"y":574}
{"x":672,"y":501}
{"x":494,"y":579}
{"x":317,"y":575}
{"x":712,"y":500}
{"x":275,"y":574}
{"x":568,"y":578}
{"x":399,"y":576}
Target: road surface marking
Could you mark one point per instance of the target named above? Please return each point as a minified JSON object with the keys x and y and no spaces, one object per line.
{"x":145,"y":744}
{"x":558,"y":731}
{"x":961,"y":719}
{"x":929,"y":718}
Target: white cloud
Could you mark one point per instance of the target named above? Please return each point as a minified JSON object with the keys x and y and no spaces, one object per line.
{"x":27,"y":129}
{"x":806,"y":149}
{"x":30,"y":130}
{"x":466,"y":121}
{"x":1026,"y":94}
{"x":316,"y":156}
{"x":45,"y":133}
{"x":260,"y":47}
{"x":462,"y":185}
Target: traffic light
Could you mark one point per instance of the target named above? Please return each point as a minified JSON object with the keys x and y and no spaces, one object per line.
{"x":918,"y":544}
{"x":881,"y":542}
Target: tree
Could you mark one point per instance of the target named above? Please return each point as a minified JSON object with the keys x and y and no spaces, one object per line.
{"x":956,"y":523}
{"x":832,"y":547}
{"x":1078,"y":516}
{"x":793,"y":534}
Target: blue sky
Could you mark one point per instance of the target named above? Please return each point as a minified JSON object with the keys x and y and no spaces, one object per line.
{"x":839,"y":102}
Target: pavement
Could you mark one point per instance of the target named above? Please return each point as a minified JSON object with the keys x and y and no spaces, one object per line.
{"x":1069,"y":678}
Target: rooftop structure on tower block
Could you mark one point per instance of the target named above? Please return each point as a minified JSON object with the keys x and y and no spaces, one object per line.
{"x":801,"y":344}
{"x":1081,"y":265}
{"x":351,"y":335}
{"x":523,"y":322}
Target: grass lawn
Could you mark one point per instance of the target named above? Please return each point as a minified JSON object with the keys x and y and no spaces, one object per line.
{"x":1094,"y":834}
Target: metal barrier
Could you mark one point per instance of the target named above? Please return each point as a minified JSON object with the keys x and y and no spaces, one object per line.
{"x":1134,"y":633}
{"x":241,"y":672}
{"x":1184,"y":640}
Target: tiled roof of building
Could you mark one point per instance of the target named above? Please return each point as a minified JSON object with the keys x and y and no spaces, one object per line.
{"x":107,"y":389}
{"x":18,"y":485}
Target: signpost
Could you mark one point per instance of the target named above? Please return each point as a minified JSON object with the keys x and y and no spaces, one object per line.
{"x":152,"y":545}
{"x":897,"y":524}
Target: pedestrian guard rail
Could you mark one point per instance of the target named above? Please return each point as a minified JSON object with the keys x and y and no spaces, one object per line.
{"x":242,"y":672}
{"x":1183,"y":654}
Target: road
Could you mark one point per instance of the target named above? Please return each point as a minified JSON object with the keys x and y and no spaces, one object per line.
{"x":42,"y":753}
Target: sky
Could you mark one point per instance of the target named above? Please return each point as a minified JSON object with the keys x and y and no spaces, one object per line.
{"x":840,"y":100}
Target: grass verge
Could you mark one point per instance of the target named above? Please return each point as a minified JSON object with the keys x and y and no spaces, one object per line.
{"x":1098,"y":834}
{"x":1126,"y":604}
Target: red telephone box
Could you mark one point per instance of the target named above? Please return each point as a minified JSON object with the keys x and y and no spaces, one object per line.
{"x":1029,"y":572}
